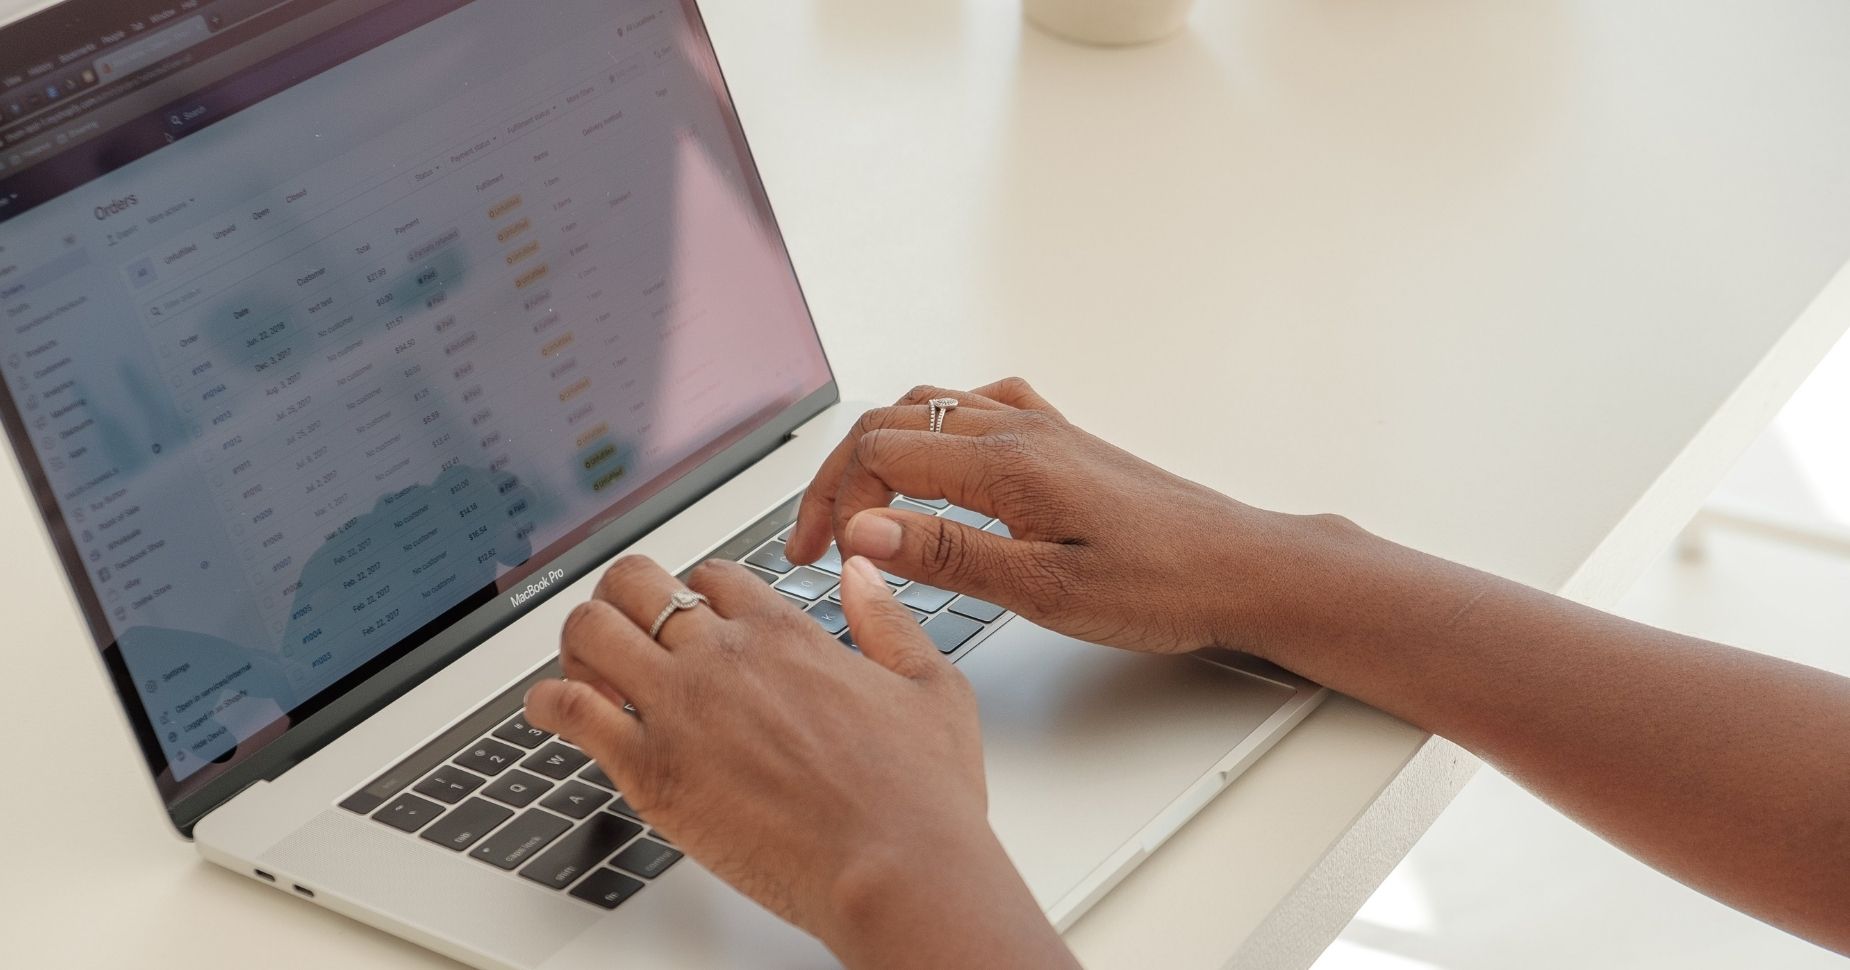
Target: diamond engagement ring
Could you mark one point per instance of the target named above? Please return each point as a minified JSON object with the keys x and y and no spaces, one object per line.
{"x":684,"y":599}
{"x":941,"y":406}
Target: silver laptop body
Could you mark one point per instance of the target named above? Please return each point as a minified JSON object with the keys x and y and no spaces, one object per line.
{"x":344,"y":340}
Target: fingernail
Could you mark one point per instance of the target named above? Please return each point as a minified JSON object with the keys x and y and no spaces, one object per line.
{"x":874,"y":535}
{"x":867,"y":571}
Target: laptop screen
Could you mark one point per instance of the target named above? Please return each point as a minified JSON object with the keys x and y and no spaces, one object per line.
{"x":325,"y":324}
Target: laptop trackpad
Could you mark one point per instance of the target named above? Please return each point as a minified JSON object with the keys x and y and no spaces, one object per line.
{"x":1085,"y":745}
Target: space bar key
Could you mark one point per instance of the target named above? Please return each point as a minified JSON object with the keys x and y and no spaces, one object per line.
{"x":580,"y":852}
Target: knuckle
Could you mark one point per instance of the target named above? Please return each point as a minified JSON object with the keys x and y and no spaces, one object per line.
{"x":708,"y":572}
{"x":870,"y":422}
{"x":917,"y":662}
{"x":1010,"y":446}
{"x":948,"y":549}
{"x":575,"y":622}
{"x":571,"y":707}
{"x":920,"y":394}
{"x":875,"y":447}
{"x":621,"y":573}
{"x":1040,"y":578}
{"x":1038,"y":422}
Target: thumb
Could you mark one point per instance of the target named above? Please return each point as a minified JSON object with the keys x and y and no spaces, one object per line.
{"x":937,"y":552}
{"x":886,"y":631}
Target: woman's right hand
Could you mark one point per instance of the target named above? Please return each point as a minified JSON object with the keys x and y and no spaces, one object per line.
{"x":1104,"y":546}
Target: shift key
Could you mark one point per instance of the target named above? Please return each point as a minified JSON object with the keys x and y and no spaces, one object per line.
{"x":580,"y":852}
{"x":521,"y":838}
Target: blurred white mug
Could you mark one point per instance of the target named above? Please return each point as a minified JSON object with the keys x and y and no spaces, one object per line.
{"x":1111,"y":22}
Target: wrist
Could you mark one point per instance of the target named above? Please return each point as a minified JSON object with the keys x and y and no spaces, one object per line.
{"x":1338,"y":604}
{"x":957,"y":901}
{"x":1299,"y":578}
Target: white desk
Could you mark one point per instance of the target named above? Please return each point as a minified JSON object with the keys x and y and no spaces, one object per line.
{"x":1512,"y":283}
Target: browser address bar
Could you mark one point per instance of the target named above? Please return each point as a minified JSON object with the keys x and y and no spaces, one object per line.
{"x":132,"y":57}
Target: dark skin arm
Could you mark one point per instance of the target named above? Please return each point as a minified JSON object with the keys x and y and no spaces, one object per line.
{"x":1725,"y":769}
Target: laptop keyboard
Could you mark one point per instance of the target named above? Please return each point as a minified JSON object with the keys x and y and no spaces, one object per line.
{"x":514,"y":797}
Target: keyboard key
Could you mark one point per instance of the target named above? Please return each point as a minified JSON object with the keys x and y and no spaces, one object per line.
{"x":408,"y":813}
{"x":449,"y":784}
{"x":444,"y":746}
{"x":847,"y":636}
{"x":622,"y":806}
{"x":596,"y":776}
{"x":976,"y":609}
{"x":770,"y":579}
{"x":488,"y":757}
{"x":936,"y":503}
{"x":950,"y":631}
{"x":810,"y":584}
{"x":466,"y":825}
{"x":556,"y":761}
{"x":518,"y":789}
{"x":796,"y":601}
{"x":576,"y":799}
{"x":975,"y":520}
{"x":659,"y":837}
{"x":770,"y":556}
{"x":830,"y":562}
{"x":997,"y":528}
{"x":522,"y":837}
{"x":646,"y":858}
{"x":908,"y":505}
{"x":518,"y":731}
{"x":580,"y":852}
{"x":926,"y":599}
{"x":830,"y":615}
{"x":891,"y":580}
{"x":607,"y":888}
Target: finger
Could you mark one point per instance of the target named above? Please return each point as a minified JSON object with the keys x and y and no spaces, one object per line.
{"x":642,"y":590}
{"x":946,"y":554}
{"x":579,"y":673}
{"x":810,"y":539}
{"x":884,"y":630}
{"x":1015,"y":392}
{"x":602,"y":647}
{"x":920,"y":464}
{"x":578,"y":712}
{"x":733,"y":590}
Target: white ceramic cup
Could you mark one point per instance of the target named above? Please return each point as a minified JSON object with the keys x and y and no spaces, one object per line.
{"x":1109,"y":22}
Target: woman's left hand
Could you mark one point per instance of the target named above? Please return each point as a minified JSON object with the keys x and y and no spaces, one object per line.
{"x":842,"y":791}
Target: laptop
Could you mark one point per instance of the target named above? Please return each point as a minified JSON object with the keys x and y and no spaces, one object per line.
{"x":343,"y":342}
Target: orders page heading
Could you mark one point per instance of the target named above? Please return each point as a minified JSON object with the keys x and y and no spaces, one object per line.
{"x":327,"y":371}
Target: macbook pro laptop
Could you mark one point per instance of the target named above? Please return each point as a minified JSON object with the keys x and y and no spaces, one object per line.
{"x":343,"y":341}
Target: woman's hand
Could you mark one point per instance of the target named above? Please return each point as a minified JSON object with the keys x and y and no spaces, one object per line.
{"x":842,"y":791}
{"x":1105,"y":546}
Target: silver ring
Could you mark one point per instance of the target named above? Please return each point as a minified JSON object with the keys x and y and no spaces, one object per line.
{"x":941,"y":406}
{"x":683,"y":599}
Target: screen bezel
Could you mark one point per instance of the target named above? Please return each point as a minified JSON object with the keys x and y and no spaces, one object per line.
{"x":403,"y":667}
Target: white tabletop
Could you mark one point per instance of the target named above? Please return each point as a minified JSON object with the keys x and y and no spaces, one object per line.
{"x":1509,"y":282}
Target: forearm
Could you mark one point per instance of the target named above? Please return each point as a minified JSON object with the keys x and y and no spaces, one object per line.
{"x":1727,"y":770}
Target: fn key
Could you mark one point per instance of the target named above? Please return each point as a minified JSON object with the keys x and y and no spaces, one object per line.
{"x":607,"y":888}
